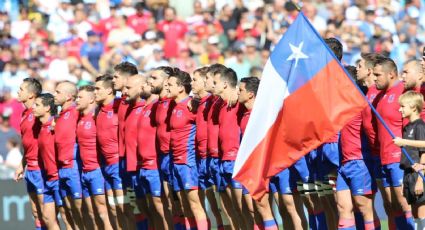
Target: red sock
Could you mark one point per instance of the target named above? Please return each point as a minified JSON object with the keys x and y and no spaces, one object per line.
{"x":202,"y":224}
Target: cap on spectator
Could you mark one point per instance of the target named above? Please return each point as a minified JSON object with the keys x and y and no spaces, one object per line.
{"x":7,"y":112}
{"x":213,"y":40}
{"x":246,"y":26}
{"x":135,"y":38}
{"x":150,"y":35}
{"x":250,"y":41}
{"x":92,"y":33}
{"x":413,"y":12}
{"x":157,"y":50}
{"x":5,"y":90}
{"x":352,"y":13}
{"x":290,"y":6}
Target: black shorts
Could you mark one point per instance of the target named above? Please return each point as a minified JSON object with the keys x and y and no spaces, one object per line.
{"x":409,"y":181}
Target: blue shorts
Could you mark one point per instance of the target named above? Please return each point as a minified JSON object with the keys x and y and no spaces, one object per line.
{"x":355,"y":176}
{"x":35,"y":181}
{"x":70,"y":183}
{"x":93,"y":183}
{"x":204,"y":181}
{"x":166,"y":168}
{"x":226,"y":170}
{"x":111,"y":173}
{"x":306,"y":169}
{"x":213,"y":167}
{"x":328,"y":161}
{"x":51,"y":193}
{"x":311,"y":160}
{"x":392,"y":175}
{"x":374,"y":165}
{"x":185,"y":177}
{"x":283,"y":182}
{"x":150,"y":182}
{"x":244,"y":190}
{"x":131,"y":182}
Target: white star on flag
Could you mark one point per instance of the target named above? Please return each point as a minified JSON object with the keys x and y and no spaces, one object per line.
{"x":296,"y":53}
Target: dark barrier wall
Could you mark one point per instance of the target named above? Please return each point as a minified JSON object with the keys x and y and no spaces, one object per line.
{"x":15,"y":209}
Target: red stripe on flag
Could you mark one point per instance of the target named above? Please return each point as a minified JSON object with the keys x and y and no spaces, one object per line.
{"x":310,"y":116}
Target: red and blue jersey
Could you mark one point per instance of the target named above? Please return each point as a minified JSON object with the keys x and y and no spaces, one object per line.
{"x":369,"y":121}
{"x":122,"y":115}
{"x":107,"y":131}
{"x":244,"y":121}
{"x":86,"y":136}
{"x":130,"y":134}
{"x":388,"y":107}
{"x":212,"y":126}
{"x":46,"y":147}
{"x":183,"y":132}
{"x":65,"y":137}
{"x":30,"y":128}
{"x":146,"y":137}
{"x":229,"y":131}
{"x":202,"y":126}
{"x":351,"y":141}
{"x":162,"y":119}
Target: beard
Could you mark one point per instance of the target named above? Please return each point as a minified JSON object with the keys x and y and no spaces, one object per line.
{"x":145,"y":95}
{"x":156,"y":90}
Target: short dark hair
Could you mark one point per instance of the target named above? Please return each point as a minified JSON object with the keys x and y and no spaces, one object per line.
{"x":251,"y":84}
{"x":106,"y":80}
{"x":33,"y":86}
{"x":335,"y":46}
{"x":126,"y":68}
{"x":370,"y":59}
{"x":47,"y":99}
{"x":352,"y":71}
{"x":229,"y":75}
{"x":202,"y":71}
{"x":183,"y":79}
{"x":169,"y":71}
{"x":388,"y":64}
{"x":88,"y":88}
{"x":216,"y":67}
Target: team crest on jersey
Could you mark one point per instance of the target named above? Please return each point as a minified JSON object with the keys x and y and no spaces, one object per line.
{"x":30,"y":117}
{"x":147,"y":113}
{"x":165,"y":104}
{"x":87,"y":125}
{"x":66,"y":116}
{"x":110,"y":114}
{"x":179,"y":113}
{"x":391,"y":98}
{"x":138,"y":110}
{"x":411,"y":133}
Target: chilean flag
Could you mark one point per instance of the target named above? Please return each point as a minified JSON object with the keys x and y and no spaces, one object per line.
{"x":305,"y":97}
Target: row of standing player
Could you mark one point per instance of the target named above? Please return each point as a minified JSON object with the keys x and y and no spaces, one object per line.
{"x":118,"y":129}
{"x":148,"y":148}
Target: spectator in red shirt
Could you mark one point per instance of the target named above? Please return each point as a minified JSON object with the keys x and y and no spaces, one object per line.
{"x":140,"y":21}
{"x":174,"y":30}
{"x":11,"y":107}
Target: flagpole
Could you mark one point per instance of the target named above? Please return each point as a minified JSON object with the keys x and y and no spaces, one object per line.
{"x":403,"y":150}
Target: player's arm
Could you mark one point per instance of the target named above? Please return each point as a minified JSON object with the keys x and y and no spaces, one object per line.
{"x":404,"y":142}
{"x":19,"y":172}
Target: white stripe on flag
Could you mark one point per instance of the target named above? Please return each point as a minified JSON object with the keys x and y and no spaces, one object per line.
{"x":271,"y":93}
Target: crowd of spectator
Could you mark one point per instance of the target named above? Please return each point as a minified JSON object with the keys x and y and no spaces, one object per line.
{"x":76,"y":40}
